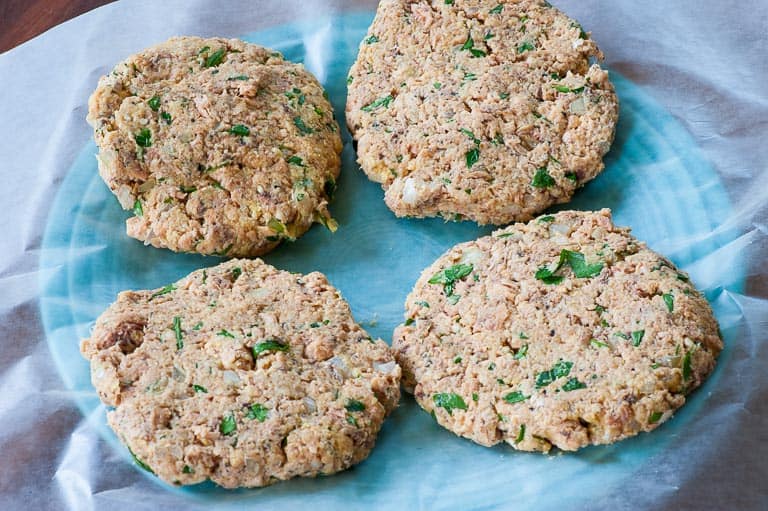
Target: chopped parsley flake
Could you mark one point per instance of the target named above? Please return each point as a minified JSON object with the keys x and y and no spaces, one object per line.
{"x":144,"y":138}
{"x":371,"y":39}
{"x":198,"y":326}
{"x":257,"y":412}
{"x":187,"y":470}
{"x":449,"y":276}
{"x":472,"y":156}
{"x":224,"y":333}
{"x":573,"y":384}
{"x":637,"y":337}
{"x":228,"y":425}
{"x":303,"y":128}
{"x":164,"y":291}
{"x":515,"y":397}
{"x":582,"y":34}
{"x":409,"y":321}
{"x":177,"y":331}
{"x":599,"y":344}
{"x":559,"y":370}
{"x":525,"y":46}
{"x":236,"y":272}
{"x":381,"y":102}
{"x":238,"y":77}
{"x":571,"y":176}
{"x":566,"y":89}
{"x":154,"y":103}
{"x":450,"y":402}
{"x":654,"y":417}
{"x":187,"y":189}
{"x":546,"y":219}
{"x":687,"y":365}
{"x":521,"y":353}
{"x":669,"y":300}
{"x":542,"y":179}
{"x":577,"y":263}
{"x":457,"y":360}
{"x":352,"y":420}
{"x":166,"y":117}
{"x":497,"y":9}
{"x":469,"y":45}
{"x":270,"y":345}
{"x":437,"y":85}
{"x":200,"y":388}
{"x":137,"y":209}
{"x":353,"y":405}
{"x":296,"y":160}
{"x":475,"y":397}
{"x":520,"y":434}
{"x":423,"y":304}
{"x":240,"y":130}
{"x":215,"y":58}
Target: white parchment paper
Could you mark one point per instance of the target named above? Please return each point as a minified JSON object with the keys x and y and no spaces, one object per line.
{"x":705,"y":61}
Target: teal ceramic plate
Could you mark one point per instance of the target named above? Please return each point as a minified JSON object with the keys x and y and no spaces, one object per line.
{"x":656,"y":181}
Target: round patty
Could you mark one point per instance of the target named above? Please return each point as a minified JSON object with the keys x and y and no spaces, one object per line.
{"x":563,"y":332}
{"x":480,"y":110}
{"x":242,"y":374}
{"x":219,"y":146}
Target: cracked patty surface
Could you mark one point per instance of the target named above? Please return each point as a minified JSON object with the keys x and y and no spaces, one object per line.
{"x":482,"y":110}
{"x":242,"y":374}
{"x":219,"y":146}
{"x":564,"y":332}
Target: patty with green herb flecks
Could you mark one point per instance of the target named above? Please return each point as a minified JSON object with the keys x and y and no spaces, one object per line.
{"x":480,"y":110}
{"x":242,"y":374}
{"x":564,"y":332}
{"x":218,"y":146}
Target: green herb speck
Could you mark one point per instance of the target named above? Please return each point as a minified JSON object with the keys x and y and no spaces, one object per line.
{"x":669,"y":300}
{"x":302,"y":127}
{"x":257,"y":412}
{"x":472,"y":156}
{"x":215,"y":58}
{"x":353,"y":405}
{"x":199,"y":388}
{"x":381,"y":102}
{"x":449,"y":276}
{"x":269,"y":345}
{"x":450,"y":402}
{"x":144,"y":138}
{"x":177,"y":331}
{"x":520,"y":434}
{"x":228,"y":425}
{"x":515,"y":397}
{"x":154,"y":103}
{"x":573,"y":384}
{"x":525,"y":46}
{"x":240,"y":130}
{"x":542,"y":179}
{"x":167,"y":289}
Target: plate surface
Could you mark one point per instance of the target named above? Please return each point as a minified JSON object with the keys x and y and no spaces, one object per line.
{"x":656,"y":181}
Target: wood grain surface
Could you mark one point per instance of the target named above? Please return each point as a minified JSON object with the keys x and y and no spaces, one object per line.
{"x":21,"y":20}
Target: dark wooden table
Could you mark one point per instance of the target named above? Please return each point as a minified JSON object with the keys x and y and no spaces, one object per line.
{"x":21,"y":20}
